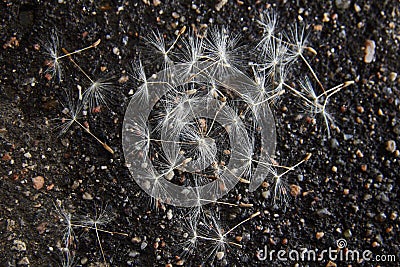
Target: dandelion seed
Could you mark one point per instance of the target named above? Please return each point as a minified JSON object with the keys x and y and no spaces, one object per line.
{"x":314,"y":104}
{"x":192,"y":54}
{"x":52,"y":47}
{"x":267,"y":22}
{"x":221,"y":48}
{"x":100,"y":93}
{"x":73,"y":110}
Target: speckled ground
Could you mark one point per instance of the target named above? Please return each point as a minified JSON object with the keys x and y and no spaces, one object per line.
{"x":349,"y":188}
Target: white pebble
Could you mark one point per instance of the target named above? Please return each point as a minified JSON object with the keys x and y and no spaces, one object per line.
{"x":116,"y":51}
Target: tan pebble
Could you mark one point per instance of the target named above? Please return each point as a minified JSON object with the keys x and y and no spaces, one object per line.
{"x":38,"y":182}
{"x":123,"y":79}
{"x":136,"y":239}
{"x":375,"y":244}
{"x":369,"y":52}
{"x":380,"y":112}
{"x":175,"y":15}
{"x":50,"y":187}
{"x":392,"y":76}
{"x":360,"y":109}
{"x":220,"y":4}
{"x":334,"y":168}
{"x":318,"y":27}
{"x":220,"y":255}
{"x":326,"y":17}
{"x":364,"y":167}
{"x":391,"y":146}
{"x":331,"y":264}
{"x":346,"y":191}
{"x":227,"y":152}
{"x":295,"y":190}
{"x":6,"y":157}
{"x":319,"y":235}
{"x":359,"y":153}
{"x":87,"y":196}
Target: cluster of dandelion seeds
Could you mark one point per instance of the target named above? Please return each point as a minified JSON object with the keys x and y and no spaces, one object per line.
{"x":203,"y":123}
{"x":96,"y":95}
{"x":70,"y":223}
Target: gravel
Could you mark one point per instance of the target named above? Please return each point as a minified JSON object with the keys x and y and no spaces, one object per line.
{"x":347,"y":189}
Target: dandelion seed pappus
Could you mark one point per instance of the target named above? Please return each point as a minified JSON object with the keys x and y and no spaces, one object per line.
{"x":174,"y":141}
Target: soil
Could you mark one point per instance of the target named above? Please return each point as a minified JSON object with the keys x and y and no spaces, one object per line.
{"x":349,"y":187}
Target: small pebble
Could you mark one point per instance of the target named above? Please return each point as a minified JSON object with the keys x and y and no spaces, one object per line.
{"x":133,"y":253}
{"x":367,"y":197}
{"x":295,"y":190}
{"x":334,"y":143}
{"x":116,"y":51}
{"x":391,"y":146}
{"x":323,"y":212}
{"x":342,"y":4}
{"x":169,"y":214}
{"x":319,"y":235}
{"x":364,"y":167}
{"x":220,"y":4}
{"x":381,"y":217}
{"x":6,"y":157}
{"x":24,"y":261}
{"x":136,"y":239}
{"x":19,"y":245}
{"x":369,"y":52}
{"x":220,"y":255}
{"x":375,"y":244}
{"x":38,"y":182}
{"x":347,"y":233}
{"x":87,"y":196}
{"x":357,"y":8}
{"x":392,"y":76}
{"x":27,"y":155}
{"x":175,"y":15}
